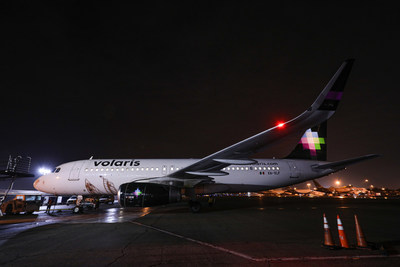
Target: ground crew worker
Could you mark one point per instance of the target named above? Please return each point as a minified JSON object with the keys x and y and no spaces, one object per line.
{"x":97,"y":203}
{"x":49,"y":205}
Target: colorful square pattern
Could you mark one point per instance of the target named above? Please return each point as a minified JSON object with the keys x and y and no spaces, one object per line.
{"x":312,"y":142}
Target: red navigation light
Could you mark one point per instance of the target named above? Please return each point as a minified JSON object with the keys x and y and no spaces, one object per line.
{"x":280,"y":125}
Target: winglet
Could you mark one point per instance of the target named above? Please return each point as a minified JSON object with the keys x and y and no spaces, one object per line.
{"x":333,"y":91}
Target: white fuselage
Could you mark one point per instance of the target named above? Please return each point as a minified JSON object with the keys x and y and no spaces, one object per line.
{"x":104,"y":176}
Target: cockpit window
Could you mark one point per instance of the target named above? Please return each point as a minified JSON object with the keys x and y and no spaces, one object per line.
{"x":56,"y":170}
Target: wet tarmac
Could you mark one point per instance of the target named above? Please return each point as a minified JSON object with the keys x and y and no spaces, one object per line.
{"x":236,"y":231}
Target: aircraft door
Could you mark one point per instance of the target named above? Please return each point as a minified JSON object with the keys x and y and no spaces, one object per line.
{"x":294,"y":171}
{"x":74,"y":174}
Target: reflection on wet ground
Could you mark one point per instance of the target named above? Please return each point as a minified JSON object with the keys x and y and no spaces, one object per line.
{"x":11,"y":225}
{"x":235,"y":231}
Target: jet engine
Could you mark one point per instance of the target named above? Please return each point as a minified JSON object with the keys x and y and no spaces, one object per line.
{"x":147,"y":194}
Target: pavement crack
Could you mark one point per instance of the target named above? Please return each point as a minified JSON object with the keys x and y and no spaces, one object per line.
{"x":123,"y":254}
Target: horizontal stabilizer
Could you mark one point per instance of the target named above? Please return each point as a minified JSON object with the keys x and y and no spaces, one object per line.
{"x":343,"y":163}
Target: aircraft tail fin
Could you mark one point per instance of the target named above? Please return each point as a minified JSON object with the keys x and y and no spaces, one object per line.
{"x":317,"y":185}
{"x":312,"y":145}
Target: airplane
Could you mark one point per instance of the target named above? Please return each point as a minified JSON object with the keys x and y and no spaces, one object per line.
{"x":283,"y":191}
{"x":300,"y":191}
{"x":149,"y":182}
{"x":320,"y":188}
{"x":348,"y":189}
{"x":303,"y":192}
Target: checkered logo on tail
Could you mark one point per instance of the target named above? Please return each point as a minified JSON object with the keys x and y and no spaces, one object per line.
{"x":312,"y":142}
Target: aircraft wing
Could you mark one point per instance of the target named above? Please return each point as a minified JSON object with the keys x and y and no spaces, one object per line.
{"x":322,"y":109}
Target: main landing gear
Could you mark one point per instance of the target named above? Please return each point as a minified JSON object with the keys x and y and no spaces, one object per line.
{"x":194,"y":203}
{"x":195,"y":206}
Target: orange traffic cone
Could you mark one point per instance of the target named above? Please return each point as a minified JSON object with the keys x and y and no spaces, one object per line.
{"x":328,"y":241}
{"x":342,"y":235}
{"x":360,"y":236}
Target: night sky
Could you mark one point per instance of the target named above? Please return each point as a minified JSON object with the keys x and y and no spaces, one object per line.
{"x":185,"y":79}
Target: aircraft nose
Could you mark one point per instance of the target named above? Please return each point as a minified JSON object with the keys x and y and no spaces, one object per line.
{"x":39,"y":184}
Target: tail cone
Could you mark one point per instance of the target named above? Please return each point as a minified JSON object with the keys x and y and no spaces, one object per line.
{"x":342,"y":235}
{"x":361,"y":242}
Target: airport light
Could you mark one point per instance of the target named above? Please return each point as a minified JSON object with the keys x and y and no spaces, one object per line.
{"x":44,"y":171}
{"x":337,"y":182}
{"x":366,"y":180}
{"x":308,"y":185}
